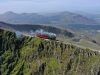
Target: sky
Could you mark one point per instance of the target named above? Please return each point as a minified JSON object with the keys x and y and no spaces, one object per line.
{"x":48,"y":6}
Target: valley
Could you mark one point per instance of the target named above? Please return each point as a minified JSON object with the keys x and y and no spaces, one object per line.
{"x":82,"y":35}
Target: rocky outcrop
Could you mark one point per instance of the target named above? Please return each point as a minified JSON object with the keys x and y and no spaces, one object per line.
{"x":34,"y":56}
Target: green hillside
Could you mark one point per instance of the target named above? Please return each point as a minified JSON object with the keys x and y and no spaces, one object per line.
{"x":35,"y":56}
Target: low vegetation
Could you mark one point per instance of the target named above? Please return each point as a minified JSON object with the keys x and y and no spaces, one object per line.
{"x":35,"y":56}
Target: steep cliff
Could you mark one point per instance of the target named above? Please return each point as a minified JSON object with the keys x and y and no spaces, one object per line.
{"x":34,"y":56}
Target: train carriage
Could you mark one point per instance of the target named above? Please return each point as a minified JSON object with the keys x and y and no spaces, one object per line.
{"x":45,"y":35}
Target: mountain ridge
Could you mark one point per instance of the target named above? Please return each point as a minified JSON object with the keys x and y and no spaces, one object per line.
{"x":61,"y":18}
{"x":35,"y":56}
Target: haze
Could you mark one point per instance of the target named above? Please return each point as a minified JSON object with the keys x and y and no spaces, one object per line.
{"x":40,"y":6}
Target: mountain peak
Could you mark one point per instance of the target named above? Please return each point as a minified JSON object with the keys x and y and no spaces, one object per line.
{"x":9,"y":12}
{"x":52,"y":18}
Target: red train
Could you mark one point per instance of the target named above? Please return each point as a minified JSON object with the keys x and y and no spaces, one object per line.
{"x":45,"y":35}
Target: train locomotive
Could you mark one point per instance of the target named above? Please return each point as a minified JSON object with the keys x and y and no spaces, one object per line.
{"x":45,"y":35}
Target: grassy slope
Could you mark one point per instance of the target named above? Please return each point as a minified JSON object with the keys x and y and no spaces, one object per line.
{"x":36,"y":56}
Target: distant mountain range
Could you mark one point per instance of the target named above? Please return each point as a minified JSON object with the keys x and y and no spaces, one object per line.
{"x":61,"y":18}
{"x":94,"y":16}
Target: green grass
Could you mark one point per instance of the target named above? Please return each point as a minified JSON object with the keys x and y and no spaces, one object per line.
{"x":91,"y":61}
{"x":53,"y":63}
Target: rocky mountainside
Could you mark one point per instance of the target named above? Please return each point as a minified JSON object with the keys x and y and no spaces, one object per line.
{"x":35,"y":56}
{"x":60,"y":18}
